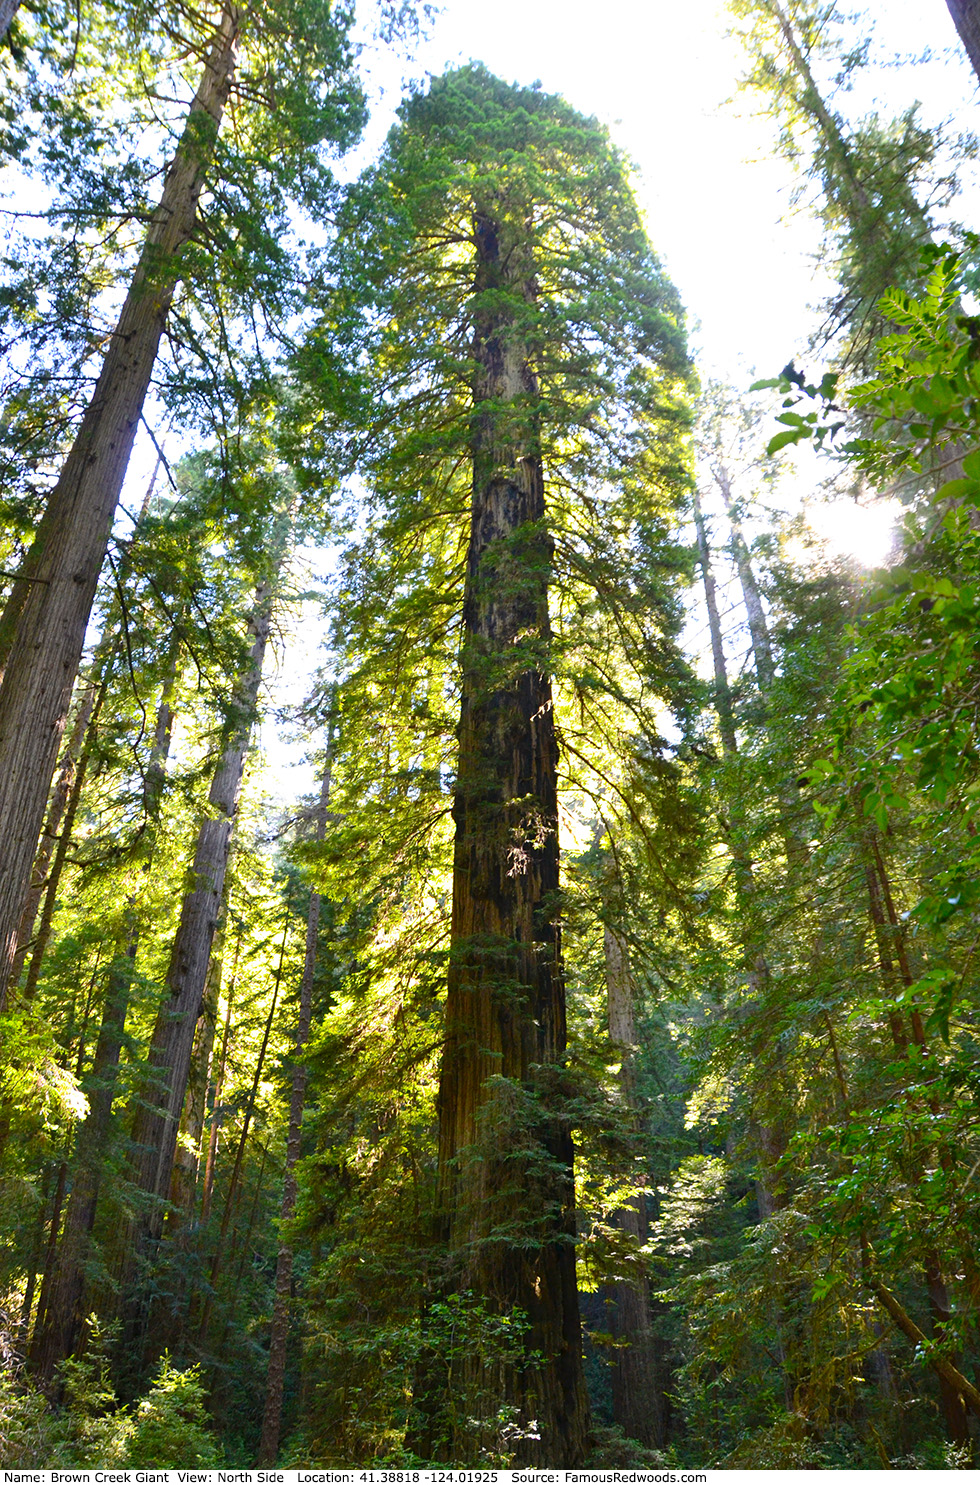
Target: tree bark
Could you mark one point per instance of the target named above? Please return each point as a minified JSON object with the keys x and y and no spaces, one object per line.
{"x":506,"y":1192}
{"x":158,"y":1115}
{"x":765,"y":667}
{"x":88,"y":705}
{"x":187,"y":1157}
{"x":219,"y":1084}
{"x":60,"y":856}
{"x":966,"y":19}
{"x":60,"y":796}
{"x":58,"y":1330}
{"x":950,"y":1375}
{"x":236,"y":1173}
{"x":42,"y":629}
{"x":8,"y":9}
{"x":638,"y":1399}
{"x":56,"y":1337}
{"x":723,"y":695}
{"x":272,"y":1412}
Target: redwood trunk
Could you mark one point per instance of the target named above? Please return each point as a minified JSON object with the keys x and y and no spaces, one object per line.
{"x":272,"y":1413}
{"x":43,"y":625}
{"x":966,"y":18}
{"x":158,"y":1116}
{"x":187,"y":1160}
{"x":723,"y":695}
{"x":638,"y":1401}
{"x":60,"y":796}
{"x":505,"y":1149}
{"x":56,"y":1335}
{"x":61,"y":1320}
{"x":8,"y":9}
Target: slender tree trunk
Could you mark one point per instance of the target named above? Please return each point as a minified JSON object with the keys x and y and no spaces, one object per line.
{"x":218,"y":1088}
{"x":956,"y":1384}
{"x":57,"y":805}
{"x":158,"y":1113}
{"x":61,"y":852}
{"x":510,"y":1234}
{"x":56,"y":1338}
{"x":34,"y":1262}
{"x":219,"y":1378}
{"x":797,"y":849}
{"x":769,"y":1140}
{"x":851,"y":193}
{"x":51,"y":1249}
{"x":87,"y":712}
{"x":272,"y":1412}
{"x":637,"y":1396}
{"x":51,"y":898}
{"x":723,"y":695}
{"x":236,"y":1173}
{"x":765,"y":667}
{"x":187,"y":1159}
{"x":42,"y":629}
{"x":966,"y":19}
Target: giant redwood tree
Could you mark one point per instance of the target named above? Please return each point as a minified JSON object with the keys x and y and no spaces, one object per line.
{"x":524,"y":401}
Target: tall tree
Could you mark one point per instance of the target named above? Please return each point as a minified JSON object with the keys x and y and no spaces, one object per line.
{"x":272,"y":1411}
{"x":549,"y":362}
{"x":878,"y":179}
{"x":158,"y":1115}
{"x":286,"y":57}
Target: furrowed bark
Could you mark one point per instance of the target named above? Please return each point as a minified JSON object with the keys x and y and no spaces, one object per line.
{"x":236,"y":1173}
{"x":508,"y":1217}
{"x":272,"y":1411}
{"x":218,"y":1088}
{"x":42,"y":629}
{"x":158,"y":1115}
{"x":60,"y":796}
{"x":187,"y":1158}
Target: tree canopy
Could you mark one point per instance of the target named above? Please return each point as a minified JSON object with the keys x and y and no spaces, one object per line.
{"x":578,"y":1068}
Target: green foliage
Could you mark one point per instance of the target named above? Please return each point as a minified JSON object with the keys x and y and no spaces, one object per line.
{"x":170,"y":1425}
{"x":166,"y":1429}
